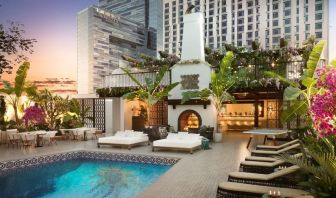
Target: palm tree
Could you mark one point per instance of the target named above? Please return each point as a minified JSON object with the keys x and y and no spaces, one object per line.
{"x":152,"y":91}
{"x":21,"y":86}
{"x":221,"y":82}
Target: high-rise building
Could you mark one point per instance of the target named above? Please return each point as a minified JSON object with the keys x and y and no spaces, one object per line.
{"x":102,"y":39}
{"x":242,"y":21}
{"x":147,"y":12}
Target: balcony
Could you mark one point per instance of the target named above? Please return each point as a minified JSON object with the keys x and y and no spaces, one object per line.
{"x":122,"y":80}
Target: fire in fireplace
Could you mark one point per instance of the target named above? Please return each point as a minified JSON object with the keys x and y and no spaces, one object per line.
{"x":189,"y":120}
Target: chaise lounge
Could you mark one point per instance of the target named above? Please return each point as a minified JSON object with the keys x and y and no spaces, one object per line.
{"x":286,"y":178}
{"x":275,"y":148}
{"x":266,"y":153}
{"x":238,"y":190}
{"x":126,"y":139}
{"x":264,"y":167}
{"x":179,"y":141}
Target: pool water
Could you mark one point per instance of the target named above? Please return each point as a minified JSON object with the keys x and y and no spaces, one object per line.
{"x":81,"y":178}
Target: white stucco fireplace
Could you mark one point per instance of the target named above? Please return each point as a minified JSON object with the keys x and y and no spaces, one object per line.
{"x":193,"y":73}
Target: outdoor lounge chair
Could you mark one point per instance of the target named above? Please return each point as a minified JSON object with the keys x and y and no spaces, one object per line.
{"x":179,"y":141}
{"x":275,"y":148}
{"x":290,"y":149}
{"x":264,"y":167}
{"x":286,"y":177}
{"x":124,"y":139}
{"x":238,"y":190}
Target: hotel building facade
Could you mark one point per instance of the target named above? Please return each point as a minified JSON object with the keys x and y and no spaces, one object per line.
{"x":102,"y":39}
{"x":240,"y":22}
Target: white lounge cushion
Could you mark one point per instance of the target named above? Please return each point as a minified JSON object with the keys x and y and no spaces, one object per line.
{"x":239,"y":187}
{"x":179,"y":140}
{"x":279,"y":146}
{"x":278,"y":151}
{"x":122,"y":140}
{"x":176,"y":143}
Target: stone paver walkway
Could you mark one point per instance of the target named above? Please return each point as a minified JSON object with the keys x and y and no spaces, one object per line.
{"x":195,"y":175}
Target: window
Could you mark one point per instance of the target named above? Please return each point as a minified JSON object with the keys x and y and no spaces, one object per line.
{"x":275,"y":6}
{"x":287,"y":29}
{"x":275,"y":23}
{"x":276,"y":40}
{"x":249,"y":4}
{"x":287,"y":21}
{"x":250,"y":19}
{"x":307,"y":27}
{"x":318,"y":25}
{"x":287,"y":12}
{"x":318,"y":35}
{"x":318,"y":7}
{"x":276,"y":31}
{"x":249,"y":27}
{"x":240,"y":28}
{"x":287,"y":4}
{"x":275,"y":14}
{"x":249,"y":34}
{"x":250,"y":11}
{"x":239,"y":36}
{"x":318,"y":16}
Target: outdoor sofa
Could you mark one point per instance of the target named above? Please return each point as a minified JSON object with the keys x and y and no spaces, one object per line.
{"x":126,"y":139}
{"x":179,"y":141}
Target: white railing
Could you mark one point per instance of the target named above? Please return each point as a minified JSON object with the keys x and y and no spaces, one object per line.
{"x":123,"y":80}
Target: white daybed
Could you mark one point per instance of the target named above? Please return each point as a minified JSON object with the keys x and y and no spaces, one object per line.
{"x":179,"y":141}
{"x":124,"y":139}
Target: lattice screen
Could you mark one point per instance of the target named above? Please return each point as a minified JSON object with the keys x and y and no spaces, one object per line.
{"x":96,"y":112}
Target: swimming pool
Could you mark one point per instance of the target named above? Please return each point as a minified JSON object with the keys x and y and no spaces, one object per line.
{"x":83,"y":177}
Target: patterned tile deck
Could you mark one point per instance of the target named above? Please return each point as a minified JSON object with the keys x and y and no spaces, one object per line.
{"x":195,"y":175}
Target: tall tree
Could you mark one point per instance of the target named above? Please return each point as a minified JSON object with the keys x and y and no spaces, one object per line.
{"x":13,"y":46}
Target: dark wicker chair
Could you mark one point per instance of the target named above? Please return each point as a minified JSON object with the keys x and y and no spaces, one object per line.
{"x":154,"y":132}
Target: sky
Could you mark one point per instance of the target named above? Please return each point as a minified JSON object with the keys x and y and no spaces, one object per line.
{"x":53,"y":24}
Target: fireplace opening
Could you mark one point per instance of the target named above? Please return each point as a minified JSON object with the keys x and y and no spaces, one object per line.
{"x":189,"y":120}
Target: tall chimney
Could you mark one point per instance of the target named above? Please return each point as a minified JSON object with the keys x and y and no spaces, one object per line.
{"x":193,"y":37}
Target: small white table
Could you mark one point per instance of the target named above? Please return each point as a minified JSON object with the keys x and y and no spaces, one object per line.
{"x":266,"y":132}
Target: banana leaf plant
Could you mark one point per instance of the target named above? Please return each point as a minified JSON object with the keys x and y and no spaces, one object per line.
{"x":221,"y":82}
{"x":152,"y":91}
{"x":299,"y":93}
{"x":21,"y":87}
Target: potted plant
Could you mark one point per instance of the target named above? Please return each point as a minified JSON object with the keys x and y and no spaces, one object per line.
{"x":221,"y":82}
